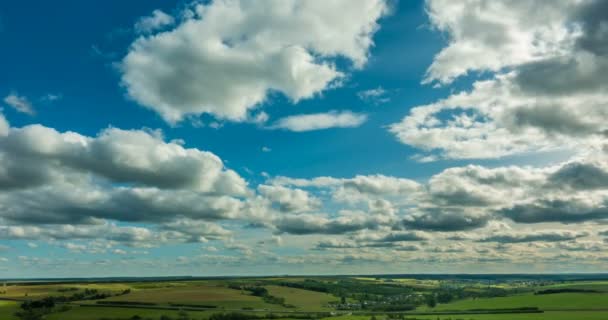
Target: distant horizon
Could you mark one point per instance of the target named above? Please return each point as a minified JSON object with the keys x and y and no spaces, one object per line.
{"x":397,"y":275}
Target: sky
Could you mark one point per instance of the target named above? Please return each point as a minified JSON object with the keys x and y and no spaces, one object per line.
{"x":226,"y":137}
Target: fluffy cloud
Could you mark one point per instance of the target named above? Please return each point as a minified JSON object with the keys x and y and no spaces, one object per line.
{"x":19,"y":103}
{"x":226,"y":56}
{"x":540,"y":236}
{"x":548,"y":91}
{"x":461,"y":198}
{"x":566,"y":210}
{"x":491,"y":36}
{"x":289,"y":200}
{"x":48,"y":177}
{"x":121,"y":156}
{"x":320,"y":121}
{"x":4,"y":125}
{"x":446,"y":219}
{"x":156,"y":21}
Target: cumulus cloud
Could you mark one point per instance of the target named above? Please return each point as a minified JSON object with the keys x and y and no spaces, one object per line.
{"x":540,"y":236}
{"x":289,"y":200}
{"x":547,"y":89}
{"x":19,"y":103}
{"x":302,"y":224}
{"x":226,"y":56}
{"x":4,"y":125}
{"x":463,"y":198}
{"x":491,"y":36}
{"x":446,"y":219}
{"x":54,"y":179}
{"x":321,"y":121}
{"x":566,"y":210}
{"x":123,"y":156}
{"x":158,"y":20}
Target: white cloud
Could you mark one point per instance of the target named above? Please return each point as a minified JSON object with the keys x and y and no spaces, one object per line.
{"x":158,"y":20}
{"x":548,"y":92}
{"x":375,"y":96}
{"x":228,"y":55}
{"x":321,"y":121}
{"x":4,"y":126}
{"x":491,"y":36}
{"x":126,"y":156}
{"x":19,"y":103}
{"x":289,"y":200}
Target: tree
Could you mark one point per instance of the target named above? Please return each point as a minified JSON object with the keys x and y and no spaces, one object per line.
{"x":430,"y":301}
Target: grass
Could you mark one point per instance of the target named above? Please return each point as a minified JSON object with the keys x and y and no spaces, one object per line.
{"x":303,"y":299}
{"x":40,"y":291}
{"x":585,"y":285}
{"x":7,"y":310}
{"x":560,"y":301}
{"x":95,"y":313}
{"x":213,"y":294}
{"x":554,"y":315}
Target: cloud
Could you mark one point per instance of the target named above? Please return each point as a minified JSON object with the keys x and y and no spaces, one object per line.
{"x":158,"y":20}
{"x":375,"y":96}
{"x":557,"y":210}
{"x":484,"y":36}
{"x":122,"y":156}
{"x":48,"y":177}
{"x":357,"y":189}
{"x":321,"y":121}
{"x":289,"y":200}
{"x":19,"y":103}
{"x":445,"y":219}
{"x":303,"y":224}
{"x":226,"y":56}
{"x":546,"y":89}
{"x":540,"y":236}
{"x":4,"y":126}
{"x":581,"y":176}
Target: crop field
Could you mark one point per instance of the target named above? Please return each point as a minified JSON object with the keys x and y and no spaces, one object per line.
{"x":303,"y":299}
{"x":330,"y":298}
{"x":204,"y":294}
{"x":85,"y":313}
{"x":560,"y":301}
{"x":558,"y":315}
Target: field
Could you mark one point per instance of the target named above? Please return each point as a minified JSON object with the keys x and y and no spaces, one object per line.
{"x":330,"y":298}
{"x":542,"y":316}
{"x":7,"y":309}
{"x":303,"y":299}
{"x":549,"y":302}
{"x":208,"y":294}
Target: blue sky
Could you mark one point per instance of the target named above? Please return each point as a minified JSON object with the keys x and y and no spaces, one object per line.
{"x":220,"y":137}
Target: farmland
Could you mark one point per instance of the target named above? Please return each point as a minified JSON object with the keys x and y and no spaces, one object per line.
{"x":332,"y":298}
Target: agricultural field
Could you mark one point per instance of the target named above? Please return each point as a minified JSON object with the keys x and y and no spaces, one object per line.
{"x":331,"y":298}
{"x":552,"y":302}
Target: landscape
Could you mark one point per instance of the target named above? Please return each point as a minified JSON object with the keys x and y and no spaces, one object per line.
{"x":304,"y":160}
{"x":430,"y":297}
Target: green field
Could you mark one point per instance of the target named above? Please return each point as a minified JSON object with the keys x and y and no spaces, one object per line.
{"x":331,"y":298}
{"x":560,"y":301}
{"x":557,"y":315}
{"x":94,"y":313}
{"x":303,"y":299}
{"x":199,"y":293}
{"x":7,"y":309}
